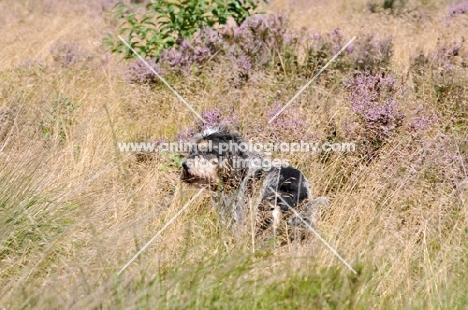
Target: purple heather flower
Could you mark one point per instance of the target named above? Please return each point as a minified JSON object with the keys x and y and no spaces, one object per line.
{"x":256,"y":37}
{"x":457,"y":9}
{"x":421,"y":123}
{"x":444,"y":62}
{"x":213,"y":118}
{"x":138,"y":72}
{"x":350,"y":48}
{"x":337,"y":40}
{"x":372,"y":98}
{"x":185,"y":135}
{"x":369,"y":53}
{"x":288,"y":126}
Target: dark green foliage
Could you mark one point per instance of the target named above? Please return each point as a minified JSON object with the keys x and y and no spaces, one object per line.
{"x":165,"y":23}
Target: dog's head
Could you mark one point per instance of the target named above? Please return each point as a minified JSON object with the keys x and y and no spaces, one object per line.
{"x":217,"y":158}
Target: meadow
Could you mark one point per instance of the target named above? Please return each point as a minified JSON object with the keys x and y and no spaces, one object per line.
{"x":74,"y":208}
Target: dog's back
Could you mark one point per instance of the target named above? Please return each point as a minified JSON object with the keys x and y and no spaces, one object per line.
{"x":270,"y":195}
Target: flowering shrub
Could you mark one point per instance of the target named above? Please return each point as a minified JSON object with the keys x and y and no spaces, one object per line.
{"x":178,"y":60}
{"x":445,"y":71}
{"x":256,"y":39}
{"x":421,"y":121}
{"x":192,"y":52}
{"x":370,"y":53}
{"x":138,"y":72}
{"x":320,"y":48}
{"x":443,"y":64}
{"x":246,"y":47}
{"x":264,"y":42}
{"x":366,"y":53}
{"x":164,"y":23}
{"x":249,"y":45}
{"x":373,"y":100}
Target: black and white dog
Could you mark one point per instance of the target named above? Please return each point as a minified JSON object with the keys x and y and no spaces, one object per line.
{"x":222,"y":161}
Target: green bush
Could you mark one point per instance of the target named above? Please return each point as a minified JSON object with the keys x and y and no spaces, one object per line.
{"x":164,"y":23}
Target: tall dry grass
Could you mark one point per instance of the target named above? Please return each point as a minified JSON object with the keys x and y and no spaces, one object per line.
{"x":74,"y":210}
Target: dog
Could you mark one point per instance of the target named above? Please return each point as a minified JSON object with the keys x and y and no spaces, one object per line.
{"x":277,"y":196}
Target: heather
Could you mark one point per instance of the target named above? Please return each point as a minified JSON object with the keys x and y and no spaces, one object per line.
{"x":266,"y":42}
{"x":440,"y":77}
{"x":161,"y":24}
{"x":374,"y":101}
{"x":459,"y":8}
{"x":74,"y":208}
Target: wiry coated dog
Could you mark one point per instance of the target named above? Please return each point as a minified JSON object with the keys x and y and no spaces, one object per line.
{"x":220,"y":161}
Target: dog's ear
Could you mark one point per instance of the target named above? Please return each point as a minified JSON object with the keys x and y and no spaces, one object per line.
{"x":233,"y":157}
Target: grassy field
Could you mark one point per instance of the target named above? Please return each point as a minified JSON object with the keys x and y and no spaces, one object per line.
{"x":74,"y":209}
